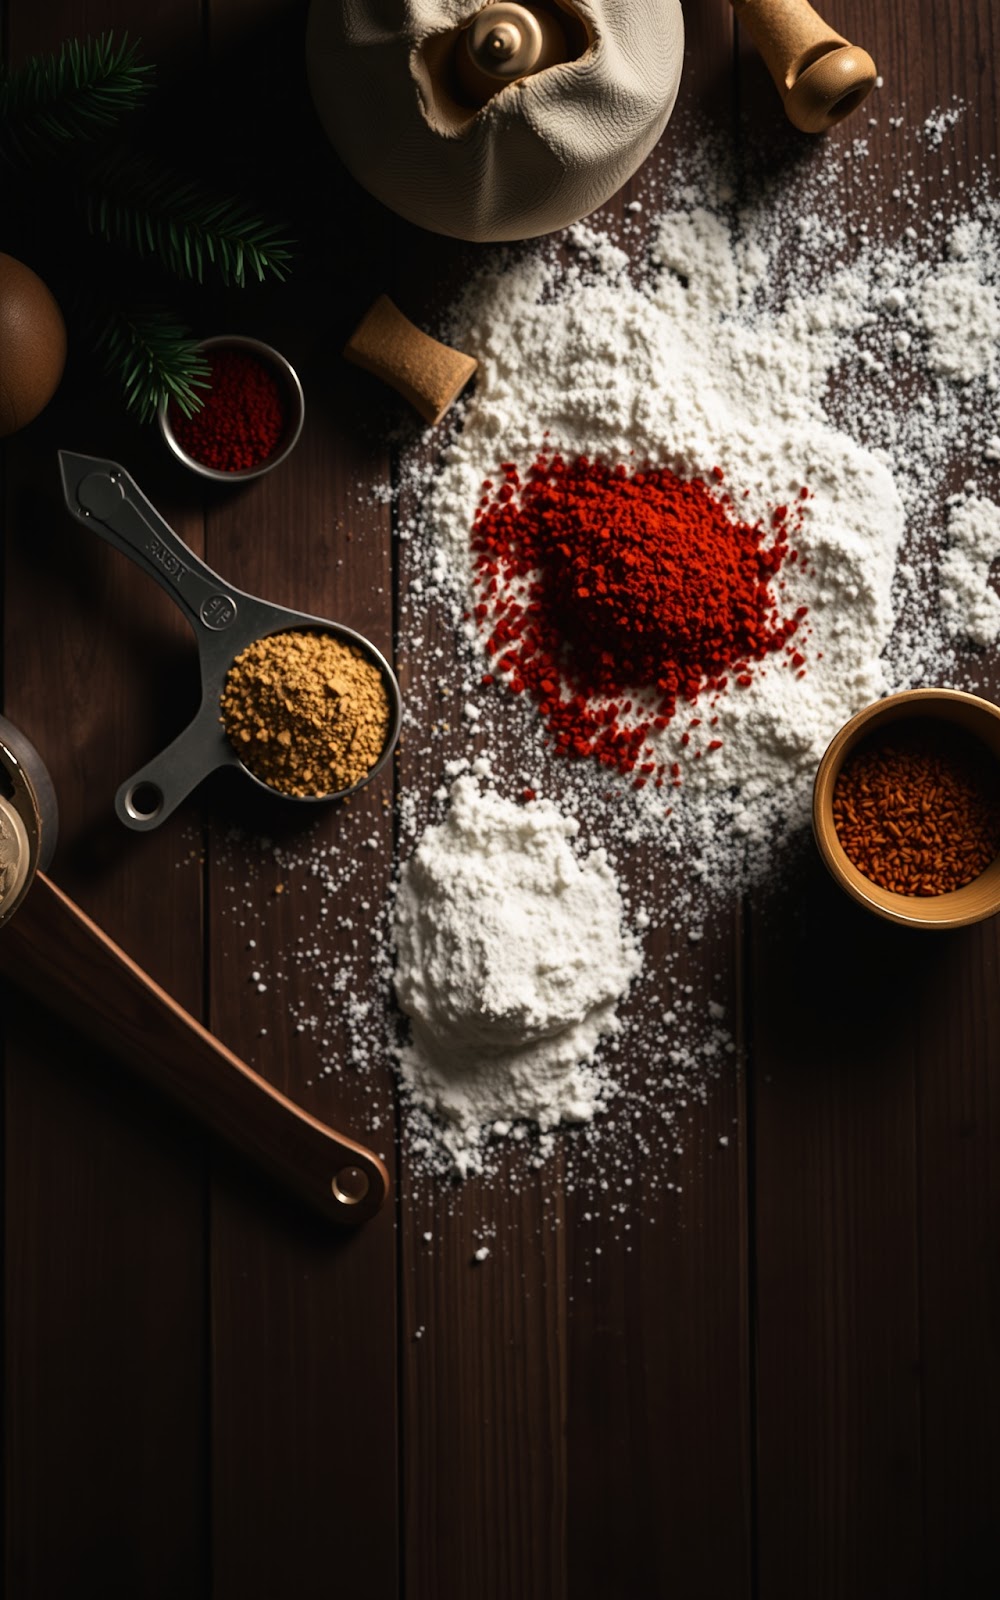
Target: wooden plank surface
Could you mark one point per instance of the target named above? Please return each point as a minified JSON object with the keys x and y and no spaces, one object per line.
{"x":873,"y":1472}
{"x":776,"y":1379}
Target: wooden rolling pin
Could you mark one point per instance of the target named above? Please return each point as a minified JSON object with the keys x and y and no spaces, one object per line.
{"x":55,"y":953}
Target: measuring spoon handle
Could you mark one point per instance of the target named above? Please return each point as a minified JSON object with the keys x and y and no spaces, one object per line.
{"x":151,"y":794}
{"x":103,"y":496}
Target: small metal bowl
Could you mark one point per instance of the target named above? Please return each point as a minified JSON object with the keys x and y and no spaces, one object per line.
{"x":953,"y":708}
{"x":295,"y":410}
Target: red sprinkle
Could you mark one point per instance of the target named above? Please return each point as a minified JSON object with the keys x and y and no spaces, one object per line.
{"x":643,"y":583}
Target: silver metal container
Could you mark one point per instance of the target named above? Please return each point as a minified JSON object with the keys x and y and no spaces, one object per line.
{"x":295,"y":409}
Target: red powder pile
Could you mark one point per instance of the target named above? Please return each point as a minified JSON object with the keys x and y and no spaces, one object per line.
{"x":599,"y":586}
{"x":242,"y":419}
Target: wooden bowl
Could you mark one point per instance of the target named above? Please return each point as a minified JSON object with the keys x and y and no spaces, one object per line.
{"x":958,"y":907}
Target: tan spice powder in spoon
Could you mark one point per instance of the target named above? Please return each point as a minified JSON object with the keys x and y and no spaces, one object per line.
{"x":306,"y":712}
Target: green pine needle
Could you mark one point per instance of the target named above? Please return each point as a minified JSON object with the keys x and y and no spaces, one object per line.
{"x":155,"y":358}
{"x":129,"y":201}
{"x":75,"y":95}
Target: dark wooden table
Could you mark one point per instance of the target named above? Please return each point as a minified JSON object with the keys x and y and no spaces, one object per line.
{"x":786,"y":1386}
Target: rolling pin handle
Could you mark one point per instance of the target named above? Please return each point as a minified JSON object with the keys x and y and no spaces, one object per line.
{"x":428,"y":374}
{"x":54,"y":952}
{"x":820,"y":76}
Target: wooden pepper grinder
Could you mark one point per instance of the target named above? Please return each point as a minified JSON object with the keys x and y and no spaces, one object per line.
{"x":820,"y":76}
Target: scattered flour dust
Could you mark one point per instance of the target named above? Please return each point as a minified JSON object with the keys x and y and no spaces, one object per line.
{"x":511,"y":958}
{"x":833,"y":324}
{"x":766,"y":333}
{"x":703,"y":360}
{"x":969,"y":606}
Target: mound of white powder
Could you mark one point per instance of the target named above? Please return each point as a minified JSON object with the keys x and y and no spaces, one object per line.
{"x":511,"y":957}
{"x":684,"y":370}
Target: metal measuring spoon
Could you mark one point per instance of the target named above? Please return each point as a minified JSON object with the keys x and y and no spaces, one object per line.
{"x":225,"y":620}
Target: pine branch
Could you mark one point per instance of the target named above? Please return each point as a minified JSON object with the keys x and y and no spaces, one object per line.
{"x":131,"y":202}
{"x":76,"y":95}
{"x":155,"y":358}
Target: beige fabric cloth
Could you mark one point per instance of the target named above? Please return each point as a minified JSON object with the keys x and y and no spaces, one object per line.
{"x":541,"y":154}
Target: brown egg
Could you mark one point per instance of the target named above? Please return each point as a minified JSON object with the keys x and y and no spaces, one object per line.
{"x":32,"y":345}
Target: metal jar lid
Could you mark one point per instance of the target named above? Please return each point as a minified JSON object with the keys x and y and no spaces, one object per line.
{"x":28,"y":817}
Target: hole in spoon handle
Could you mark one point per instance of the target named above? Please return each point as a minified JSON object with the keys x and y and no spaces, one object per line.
{"x":148,"y":798}
{"x":142,"y":803}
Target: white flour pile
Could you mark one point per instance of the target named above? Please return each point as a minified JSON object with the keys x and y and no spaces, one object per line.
{"x":683,"y":371}
{"x":511,"y":958}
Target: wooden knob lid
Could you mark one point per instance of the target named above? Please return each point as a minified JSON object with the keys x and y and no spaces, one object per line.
{"x":503,"y":43}
{"x":829,"y":90}
{"x":16,"y":865}
{"x":29,"y":817}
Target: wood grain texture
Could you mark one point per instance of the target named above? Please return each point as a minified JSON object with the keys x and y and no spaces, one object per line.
{"x":303,"y":1329}
{"x":780,"y":1379}
{"x":873,"y":1471}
